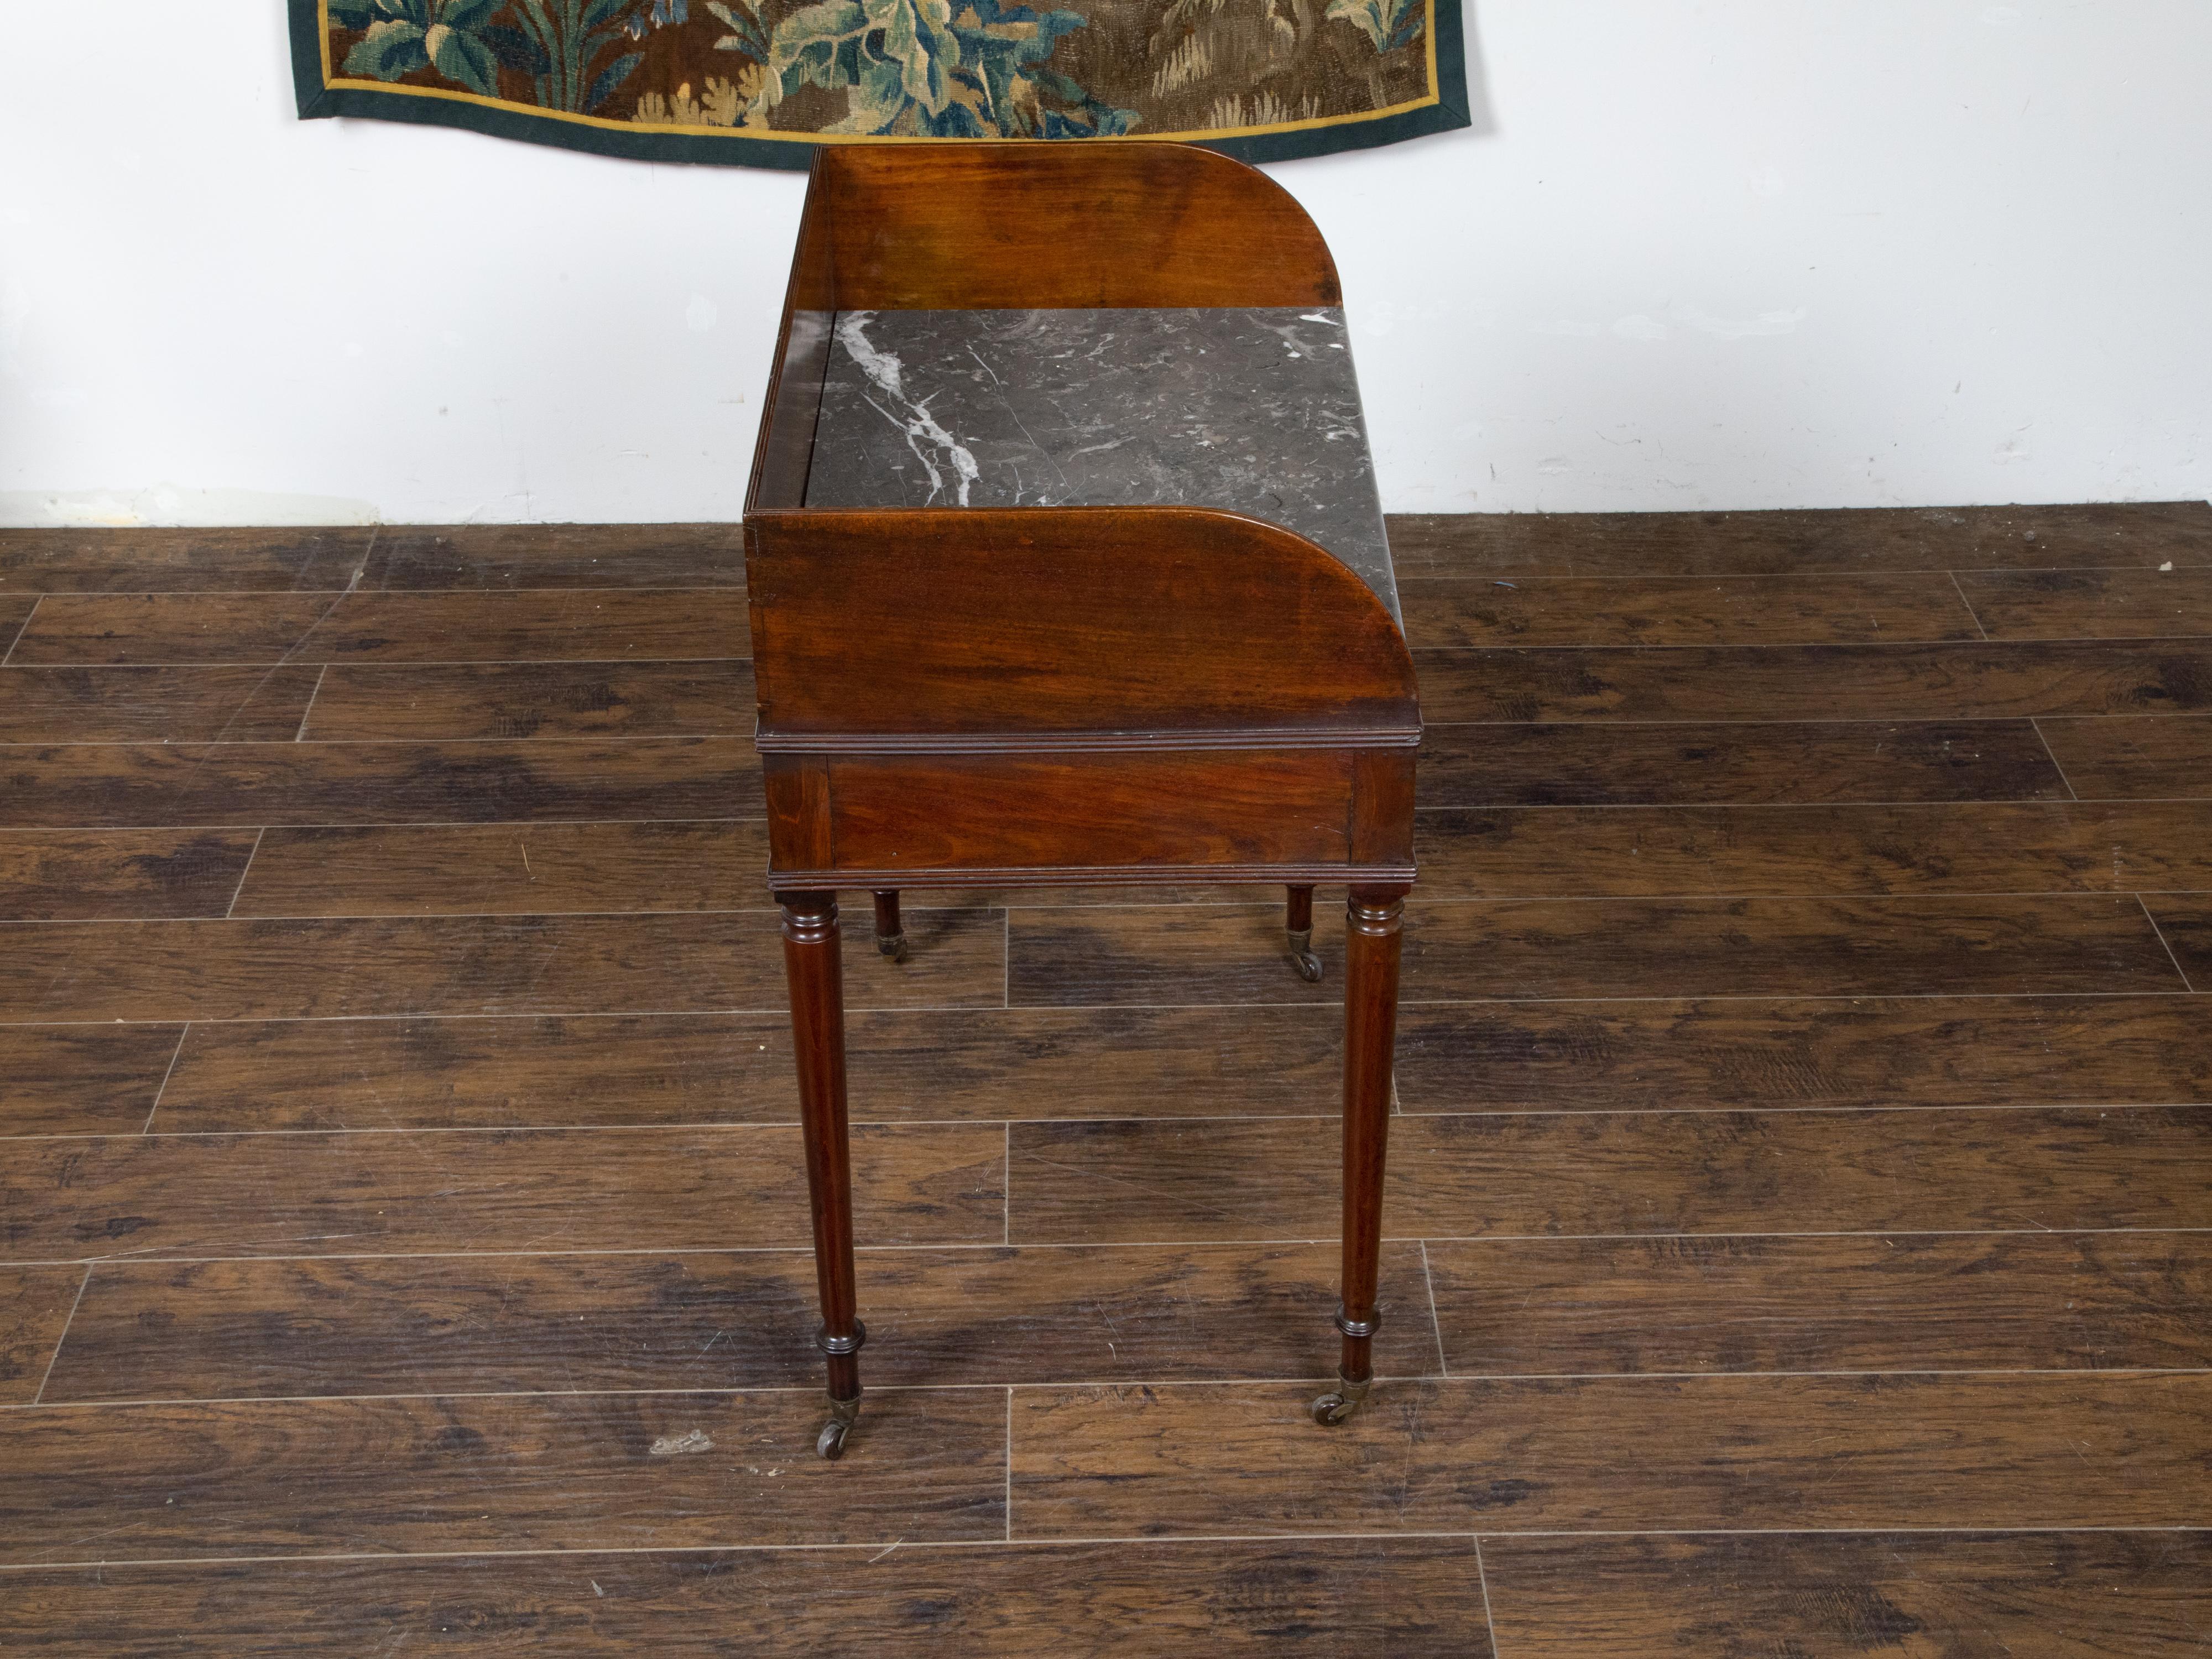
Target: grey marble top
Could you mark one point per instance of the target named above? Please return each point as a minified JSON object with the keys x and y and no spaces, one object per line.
{"x":1254,"y":411}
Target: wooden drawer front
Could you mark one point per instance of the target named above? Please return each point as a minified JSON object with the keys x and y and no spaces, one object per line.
{"x":1008,"y":811}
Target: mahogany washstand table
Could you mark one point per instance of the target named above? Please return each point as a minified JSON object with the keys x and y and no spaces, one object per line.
{"x":1067,"y":567}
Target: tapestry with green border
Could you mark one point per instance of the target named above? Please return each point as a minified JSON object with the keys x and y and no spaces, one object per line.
{"x":761,"y":84}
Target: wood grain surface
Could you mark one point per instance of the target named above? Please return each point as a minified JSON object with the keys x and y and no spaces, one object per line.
{"x":610,"y":625}
{"x":249,"y":785}
{"x":508,"y":870}
{"x":1738,"y":762}
{"x":1777,"y":850}
{"x":2185,"y":926}
{"x":437,"y":558}
{"x":2101,"y":1450}
{"x":1410,"y":1598}
{"x":1913,"y":945}
{"x":2055,"y":1594}
{"x":35,"y":1305}
{"x":82,"y":1080}
{"x":360,"y":703}
{"x":346,"y":1195}
{"x":240,"y":1328}
{"x":1924,"y":1302}
{"x":1592,"y":1173}
{"x":2137,"y":758}
{"x":547,"y":1471}
{"x":143,"y":705}
{"x":1796,"y":1214}
{"x":342,"y":969}
{"x":90,"y":875}
{"x":399,"y":558}
{"x":1144,"y":224}
{"x":1158,"y":617}
{"x":1963,"y":681}
{"x":1553,"y":611}
{"x":2090,"y":605}
{"x":1797,"y":541}
{"x":246,"y":559}
{"x":15,"y":609}
{"x":1661,"y":1054}
{"x":1294,"y":807}
{"x":991,"y":1065}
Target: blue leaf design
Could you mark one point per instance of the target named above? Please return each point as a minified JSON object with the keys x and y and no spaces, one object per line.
{"x":464,"y":59}
{"x":943,"y":68}
{"x":387,"y":52}
{"x":596,"y":15}
{"x":612,"y":78}
{"x":747,"y":36}
{"x":515,"y":49}
{"x":956,"y":121}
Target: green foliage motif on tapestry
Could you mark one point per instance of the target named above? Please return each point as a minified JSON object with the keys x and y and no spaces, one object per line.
{"x":563,"y":45}
{"x":1389,"y":24}
{"x":919,"y":68}
{"x":572,"y":38}
{"x":404,"y":36}
{"x":762,"y":81}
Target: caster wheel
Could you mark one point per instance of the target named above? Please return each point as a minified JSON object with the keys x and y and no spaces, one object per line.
{"x":1341,"y":1401}
{"x":1309,"y":966}
{"x":829,"y":1444}
{"x":1332,"y":1409}
{"x":894,"y":947}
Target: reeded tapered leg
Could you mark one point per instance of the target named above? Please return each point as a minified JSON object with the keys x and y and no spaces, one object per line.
{"x":812,"y":965}
{"x":891,"y":932}
{"x":1297,"y":930}
{"x":1371,"y":1031}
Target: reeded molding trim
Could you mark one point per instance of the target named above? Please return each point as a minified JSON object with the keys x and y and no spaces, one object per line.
{"x":770,"y":742}
{"x":1137,"y":875}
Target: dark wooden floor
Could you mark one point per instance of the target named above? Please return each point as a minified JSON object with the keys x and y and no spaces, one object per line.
{"x":1802,"y":1210}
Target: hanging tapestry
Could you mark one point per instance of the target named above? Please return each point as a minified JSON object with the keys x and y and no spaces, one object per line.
{"x":760,"y":82}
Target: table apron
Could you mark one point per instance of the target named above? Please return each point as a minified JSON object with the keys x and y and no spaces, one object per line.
{"x":1257,"y":814}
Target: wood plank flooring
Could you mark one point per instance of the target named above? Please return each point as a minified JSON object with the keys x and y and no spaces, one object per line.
{"x":1799,"y":1227}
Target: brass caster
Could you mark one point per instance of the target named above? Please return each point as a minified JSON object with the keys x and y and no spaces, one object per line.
{"x":1340,"y":1403}
{"x":892,"y":946}
{"x":1301,"y":955}
{"x":829,"y":1444}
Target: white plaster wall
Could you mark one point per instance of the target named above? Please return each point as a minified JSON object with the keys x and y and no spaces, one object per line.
{"x":1698,"y":253}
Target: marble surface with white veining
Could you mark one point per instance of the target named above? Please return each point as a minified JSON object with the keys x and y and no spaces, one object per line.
{"x":1256,"y":410}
